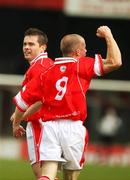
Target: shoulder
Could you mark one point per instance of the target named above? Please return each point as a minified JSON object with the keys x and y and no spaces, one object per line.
{"x":87,"y":59}
{"x":47,"y":61}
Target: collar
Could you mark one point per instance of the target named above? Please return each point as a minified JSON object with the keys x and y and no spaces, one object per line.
{"x":40,"y":56}
{"x":62,"y":60}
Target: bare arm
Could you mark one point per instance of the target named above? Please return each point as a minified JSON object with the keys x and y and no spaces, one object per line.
{"x":113,"y":58}
{"x":32,"y":109}
{"x":18,"y":116}
{"x":18,"y":130}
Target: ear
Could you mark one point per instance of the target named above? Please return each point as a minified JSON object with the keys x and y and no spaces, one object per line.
{"x":78,"y":52}
{"x":43,"y":47}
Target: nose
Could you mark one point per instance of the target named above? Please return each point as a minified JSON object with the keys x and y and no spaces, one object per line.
{"x":26,"y":46}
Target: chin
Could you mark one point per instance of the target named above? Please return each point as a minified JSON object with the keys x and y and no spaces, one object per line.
{"x":27,"y":57}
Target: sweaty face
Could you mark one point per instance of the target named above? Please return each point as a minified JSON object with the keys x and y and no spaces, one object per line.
{"x":31,"y":47}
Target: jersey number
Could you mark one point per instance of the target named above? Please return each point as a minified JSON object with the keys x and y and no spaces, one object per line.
{"x":61,"y":86}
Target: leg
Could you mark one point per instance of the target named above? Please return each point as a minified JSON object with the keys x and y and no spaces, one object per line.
{"x":70,"y":174}
{"x":36,"y":169}
{"x":33,"y":132}
{"x":74,"y":148}
{"x":49,"y":169}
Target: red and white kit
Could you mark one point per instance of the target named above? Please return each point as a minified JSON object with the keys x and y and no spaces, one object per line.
{"x":33,"y":130}
{"x":62,"y":90}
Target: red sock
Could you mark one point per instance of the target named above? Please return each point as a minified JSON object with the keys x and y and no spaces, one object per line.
{"x":44,"y":178}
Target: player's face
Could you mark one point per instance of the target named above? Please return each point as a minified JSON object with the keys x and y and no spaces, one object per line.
{"x":31,"y":47}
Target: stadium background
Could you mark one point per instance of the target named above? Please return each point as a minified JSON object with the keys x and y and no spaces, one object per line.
{"x":52,"y":17}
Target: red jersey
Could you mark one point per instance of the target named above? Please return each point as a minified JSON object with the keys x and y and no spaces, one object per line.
{"x":62,"y":88}
{"x":38,"y":65}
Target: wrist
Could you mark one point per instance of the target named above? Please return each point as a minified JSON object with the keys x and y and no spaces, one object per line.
{"x":109,"y":37}
{"x":15,"y":123}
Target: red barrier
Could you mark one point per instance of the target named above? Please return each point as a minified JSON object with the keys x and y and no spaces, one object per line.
{"x":42,"y":4}
{"x":112,"y":155}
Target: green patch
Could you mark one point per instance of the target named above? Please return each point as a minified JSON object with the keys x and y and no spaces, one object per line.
{"x":15,"y":170}
{"x":21,"y":170}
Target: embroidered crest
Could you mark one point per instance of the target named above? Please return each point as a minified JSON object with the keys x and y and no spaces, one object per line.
{"x":63,"y":68}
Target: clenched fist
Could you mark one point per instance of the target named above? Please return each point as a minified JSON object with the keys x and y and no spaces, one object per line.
{"x":104,"y":32}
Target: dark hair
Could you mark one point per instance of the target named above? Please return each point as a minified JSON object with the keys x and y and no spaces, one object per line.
{"x":42,"y":37}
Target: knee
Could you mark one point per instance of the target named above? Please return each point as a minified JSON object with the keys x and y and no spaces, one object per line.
{"x":36,"y":170}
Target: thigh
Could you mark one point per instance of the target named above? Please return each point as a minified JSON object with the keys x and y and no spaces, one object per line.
{"x":70,"y":174}
{"x":49,"y":169}
{"x":36,"y":167}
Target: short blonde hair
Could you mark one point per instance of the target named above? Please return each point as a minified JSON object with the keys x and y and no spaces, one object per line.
{"x":69,"y":43}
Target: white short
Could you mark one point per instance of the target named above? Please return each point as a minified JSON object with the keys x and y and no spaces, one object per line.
{"x":33,"y":135}
{"x":65,"y":141}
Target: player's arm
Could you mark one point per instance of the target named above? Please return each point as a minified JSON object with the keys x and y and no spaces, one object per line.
{"x":113,"y":58}
{"x":18,"y":130}
{"x":20,"y":115}
{"x":12,"y":117}
{"x":29,"y":95}
{"x":32,"y":109}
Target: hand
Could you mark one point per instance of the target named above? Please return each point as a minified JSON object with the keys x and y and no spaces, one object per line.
{"x":104,"y":32}
{"x":18,"y":131}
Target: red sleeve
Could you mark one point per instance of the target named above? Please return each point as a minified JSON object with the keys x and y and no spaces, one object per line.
{"x":33,"y":91}
{"x":86,"y":67}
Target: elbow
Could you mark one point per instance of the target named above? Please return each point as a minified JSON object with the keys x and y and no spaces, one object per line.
{"x":112,"y":64}
{"x":117,"y":64}
{"x":118,"y":61}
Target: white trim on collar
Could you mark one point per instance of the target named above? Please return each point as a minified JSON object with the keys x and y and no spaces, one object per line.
{"x":40,"y":56}
{"x":62,"y":60}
